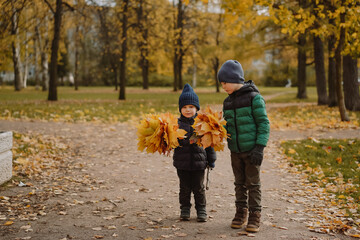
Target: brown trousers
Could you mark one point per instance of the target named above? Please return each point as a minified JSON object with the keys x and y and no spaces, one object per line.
{"x":247,"y":182}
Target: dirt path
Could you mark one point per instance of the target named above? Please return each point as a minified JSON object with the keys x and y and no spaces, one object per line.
{"x":136,"y":194}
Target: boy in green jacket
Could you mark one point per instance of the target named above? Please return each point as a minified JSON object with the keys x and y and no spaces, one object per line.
{"x":248,"y":126}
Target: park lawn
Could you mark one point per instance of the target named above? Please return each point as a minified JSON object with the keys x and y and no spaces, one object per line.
{"x":311,"y":116}
{"x":101,"y":104}
{"x":289,"y":96}
{"x":98,"y":104}
{"x":333,"y":164}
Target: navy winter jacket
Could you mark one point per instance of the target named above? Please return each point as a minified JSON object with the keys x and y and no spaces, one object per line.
{"x":191,"y":157}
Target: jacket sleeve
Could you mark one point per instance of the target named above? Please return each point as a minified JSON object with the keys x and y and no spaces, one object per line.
{"x":211,"y":154}
{"x":261,"y":120}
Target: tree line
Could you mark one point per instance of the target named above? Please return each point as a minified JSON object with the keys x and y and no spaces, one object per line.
{"x":116,"y":42}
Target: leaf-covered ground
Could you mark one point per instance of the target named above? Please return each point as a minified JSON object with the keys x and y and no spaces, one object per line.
{"x":89,"y":181}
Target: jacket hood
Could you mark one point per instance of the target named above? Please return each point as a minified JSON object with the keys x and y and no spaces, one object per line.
{"x":249,"y":86}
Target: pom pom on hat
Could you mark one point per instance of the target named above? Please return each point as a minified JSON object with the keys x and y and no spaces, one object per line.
{"x":231,"y":72}
{"x":188,"y":97}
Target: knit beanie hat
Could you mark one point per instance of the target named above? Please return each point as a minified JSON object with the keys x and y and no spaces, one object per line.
{"x":188,"y":97}
{"x":231,"y":72}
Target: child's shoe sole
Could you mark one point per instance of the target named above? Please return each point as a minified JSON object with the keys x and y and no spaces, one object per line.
{"x":252,"y":229}
{"x":201,"y":219}
{"x":237,"y":226}
{"x":184,"y":218}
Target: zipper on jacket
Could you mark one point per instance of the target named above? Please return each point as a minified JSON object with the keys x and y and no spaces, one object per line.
{"x":236,"y":130}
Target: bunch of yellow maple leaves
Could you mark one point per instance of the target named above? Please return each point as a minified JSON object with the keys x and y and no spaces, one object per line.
{"x":160,"y":132}
{"x":209,"y":129}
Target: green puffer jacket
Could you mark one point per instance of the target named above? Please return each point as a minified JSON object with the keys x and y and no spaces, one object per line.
{"x":246,"y":119}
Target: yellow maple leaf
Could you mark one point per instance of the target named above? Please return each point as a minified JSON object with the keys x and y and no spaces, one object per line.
{"x":159,"y":133}
{"x":209,"y":129}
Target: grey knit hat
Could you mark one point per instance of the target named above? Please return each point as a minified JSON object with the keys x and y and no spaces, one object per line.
{"x":231,"y":72}
{"x":188,"y":97}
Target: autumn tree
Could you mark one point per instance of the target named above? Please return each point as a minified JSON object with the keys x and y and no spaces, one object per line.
{"x":80,"y":16}
{"x":42,"y":40}
{"x":109,"y":36}
{"x":215,"y":60}
{"x":210,"y":48}
{"x":12,"y":11}
{"x":58,"y":11}
{"x":123,"y":17}
{"x":143,"y":11}
{"x":319,"y":59}
{"x":350,"y":54}
{"x":350,"y":76}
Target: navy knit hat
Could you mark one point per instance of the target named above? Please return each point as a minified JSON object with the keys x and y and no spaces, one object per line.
{"x":231,"y":72}
{"x":188,"y":97}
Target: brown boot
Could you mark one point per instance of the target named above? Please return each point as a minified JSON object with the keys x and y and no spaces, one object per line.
{"x":253,"y":222}
{"x":240,"y":218}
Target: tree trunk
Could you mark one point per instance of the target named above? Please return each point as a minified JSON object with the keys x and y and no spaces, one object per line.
{"x":123,"y":51}
{"x":179,"y":41}
{"x":144,"y":51}
{"x":216,"y":69}
{"x":16,"y":50}
{"x":320,"y":71}
{"x":16,"y":61}
{"x":175,"y":71}
{"x":44,"y":71}
{"x":43,"y":46}
{"x":143,"y":44}
{"x":76,"y":67}
{"x":36,"y":69}
{"x":216,"y":61}
{"x":351,"y":86}
{"x":194,"y":80}
{"x":333,"y":101}
{"x":145,"y":72}
{"x":26,"y":62}
{"x":338,"y":61}
{"x":301,"y":74}
{"x":180,"y":64}
{"x":116,"y":77}
{"x":54,"y":52}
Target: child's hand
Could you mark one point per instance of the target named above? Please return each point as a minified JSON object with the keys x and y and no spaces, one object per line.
{"x":211,"y":164}
{"x":257,"y":155}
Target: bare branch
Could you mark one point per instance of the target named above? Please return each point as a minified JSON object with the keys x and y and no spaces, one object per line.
{"x":49,"y":5}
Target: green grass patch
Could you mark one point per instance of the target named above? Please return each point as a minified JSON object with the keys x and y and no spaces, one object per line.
{"x":290,"y":95}
{"x":334,"y":164}
{"x":96,"y":104}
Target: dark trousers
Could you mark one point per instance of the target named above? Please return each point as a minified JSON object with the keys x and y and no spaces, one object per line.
{"x":247,"y":182}
{"x":192,"y":182}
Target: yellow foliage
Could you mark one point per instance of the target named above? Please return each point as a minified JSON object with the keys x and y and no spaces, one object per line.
{"x":159,"y":133}
{"x":209,"y":129}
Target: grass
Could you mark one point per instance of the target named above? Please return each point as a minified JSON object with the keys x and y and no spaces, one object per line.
{"x":290,"y":95}
{"x":333,"y":164}
{"x":98,"y":103}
